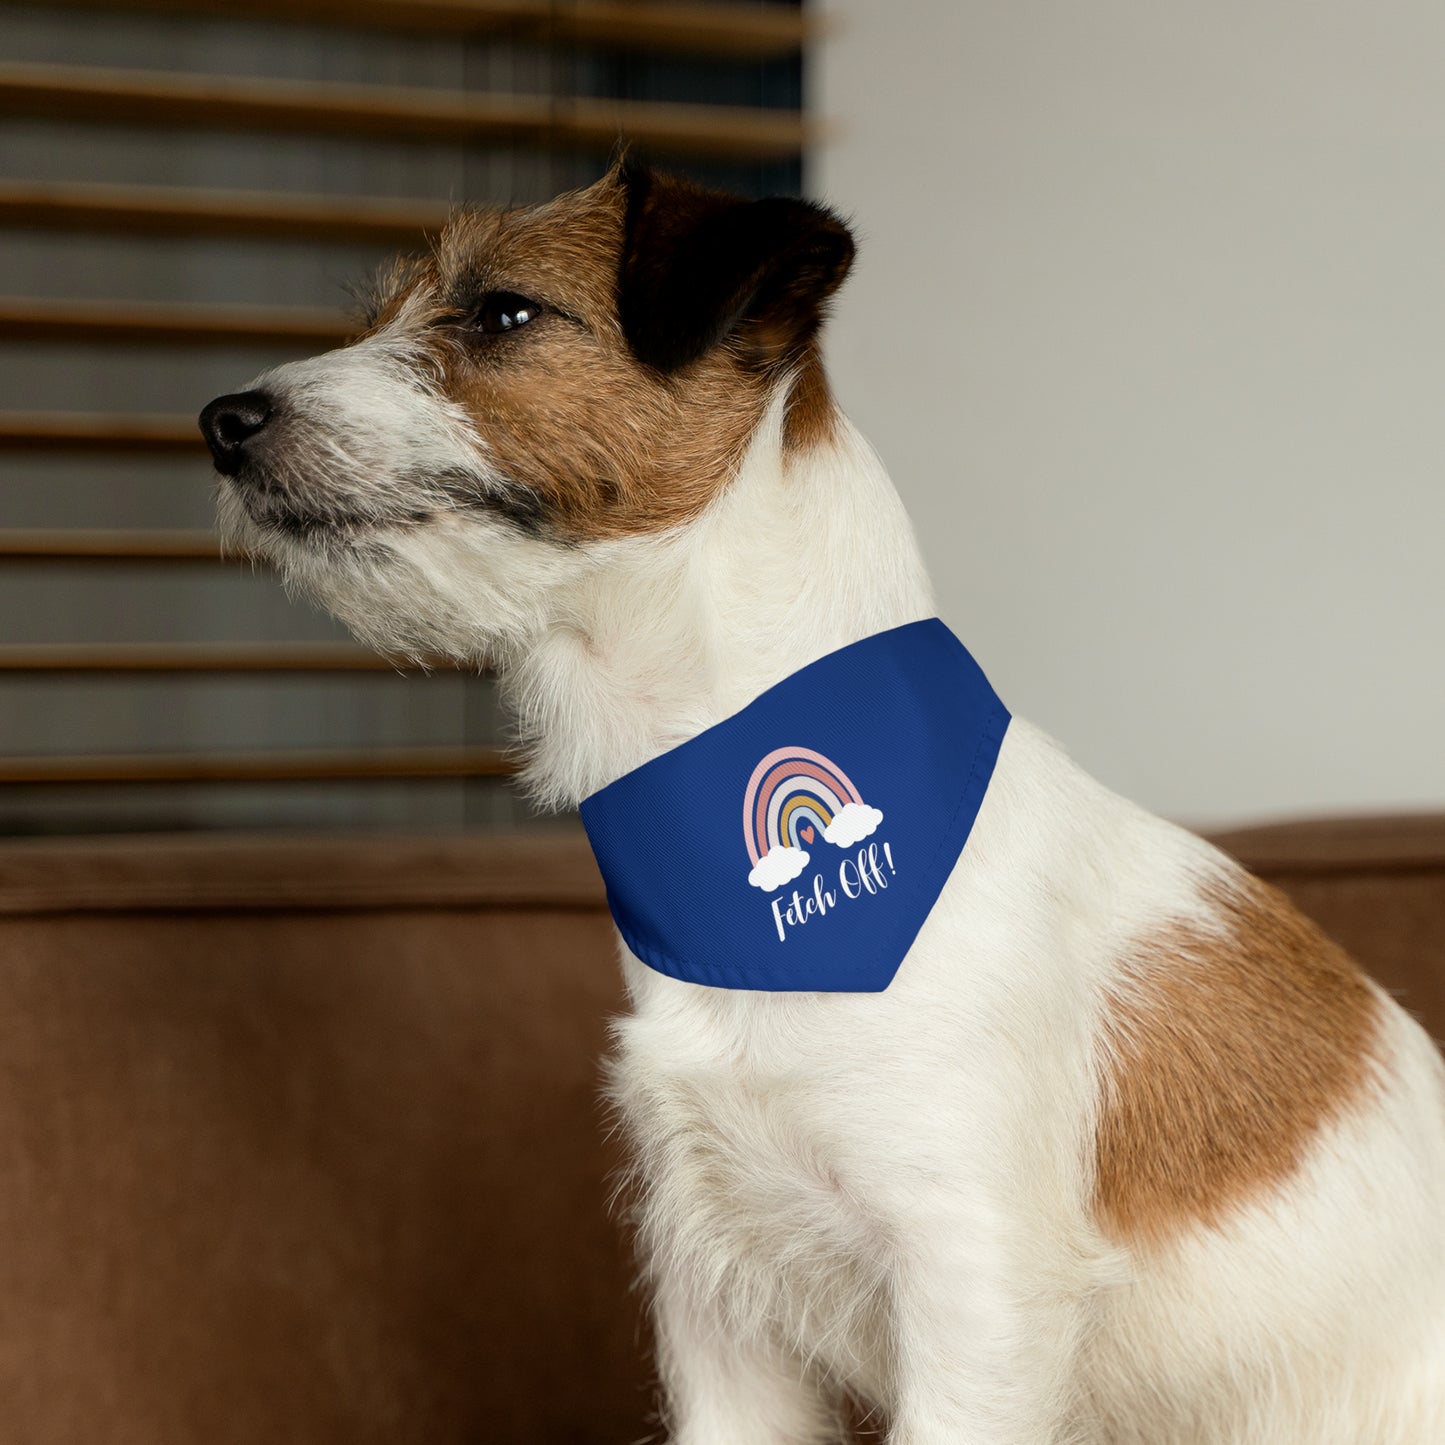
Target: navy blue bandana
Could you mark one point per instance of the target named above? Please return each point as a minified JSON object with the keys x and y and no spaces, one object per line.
{"x":856,"y":781}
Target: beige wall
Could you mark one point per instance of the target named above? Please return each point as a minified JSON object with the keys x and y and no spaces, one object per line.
{"x":1149,"y":323}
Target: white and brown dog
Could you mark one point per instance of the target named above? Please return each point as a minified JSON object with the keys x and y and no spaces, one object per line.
{"x":1127,"y":1152}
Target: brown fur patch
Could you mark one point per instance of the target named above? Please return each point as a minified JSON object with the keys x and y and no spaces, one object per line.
{"x":601,"y":444}
{"x":1226,"y":1053}
{"x":812,"y":413}
{"x":609,"y":447}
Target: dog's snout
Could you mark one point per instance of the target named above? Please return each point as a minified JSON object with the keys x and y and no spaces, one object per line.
{"x":229,"y":422}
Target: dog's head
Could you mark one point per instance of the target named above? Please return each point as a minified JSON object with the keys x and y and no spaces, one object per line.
{"x":546,"y":383}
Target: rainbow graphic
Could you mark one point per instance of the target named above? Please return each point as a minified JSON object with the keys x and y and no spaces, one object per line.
{"x":793,"y":789}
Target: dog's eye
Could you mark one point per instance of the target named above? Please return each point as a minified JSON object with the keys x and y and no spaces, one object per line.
{"x":504,"y":311}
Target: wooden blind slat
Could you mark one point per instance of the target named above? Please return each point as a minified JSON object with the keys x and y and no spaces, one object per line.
{"x":259,"y":767}
{"x":170,"y":323}
{"x":79,"y":431}
{"x":176,"y":210}
{"x":709,"y":29}
{"x":755,"y":32}
{"x":167,"y":657}
{"x":217,"y":102}
{"x":98,"y":432}
{"x":76,"y":544}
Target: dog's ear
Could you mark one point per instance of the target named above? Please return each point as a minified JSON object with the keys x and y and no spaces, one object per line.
{"x":699,"y":266}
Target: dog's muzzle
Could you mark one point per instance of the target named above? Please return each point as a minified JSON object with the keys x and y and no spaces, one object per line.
{"x":230,"y":422}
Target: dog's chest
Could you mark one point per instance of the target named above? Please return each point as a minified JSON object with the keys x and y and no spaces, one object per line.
{"x":743,"y":1184}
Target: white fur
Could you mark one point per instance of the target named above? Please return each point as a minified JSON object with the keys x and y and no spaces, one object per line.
{"x":890,"y":1194}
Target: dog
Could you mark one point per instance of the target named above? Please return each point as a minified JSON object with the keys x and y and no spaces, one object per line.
{"x":1127,"y":1153}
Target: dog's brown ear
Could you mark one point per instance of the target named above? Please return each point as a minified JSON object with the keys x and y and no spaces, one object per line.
{"x":699,"y":266}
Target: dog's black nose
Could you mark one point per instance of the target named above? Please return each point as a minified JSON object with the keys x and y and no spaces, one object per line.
{"x":229,"y":422}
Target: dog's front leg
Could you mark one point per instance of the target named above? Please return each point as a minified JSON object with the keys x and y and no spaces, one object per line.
{"x":984,"y":1349}
{"x":721,"y":1387}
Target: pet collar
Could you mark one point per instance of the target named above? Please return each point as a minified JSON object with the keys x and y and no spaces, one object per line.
{"x":857,"y":780}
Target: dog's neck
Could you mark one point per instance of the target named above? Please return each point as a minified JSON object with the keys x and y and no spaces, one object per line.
{"x":665,"y":636}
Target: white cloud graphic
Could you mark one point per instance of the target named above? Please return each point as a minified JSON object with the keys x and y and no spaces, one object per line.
{"x":851,"y":824}
{"x":779,"y":866}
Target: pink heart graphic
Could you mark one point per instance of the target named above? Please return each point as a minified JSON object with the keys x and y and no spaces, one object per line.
{"x":807,"y":834}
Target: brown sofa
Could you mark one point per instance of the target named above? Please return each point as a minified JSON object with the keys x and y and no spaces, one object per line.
{"x":300,"y":1138}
